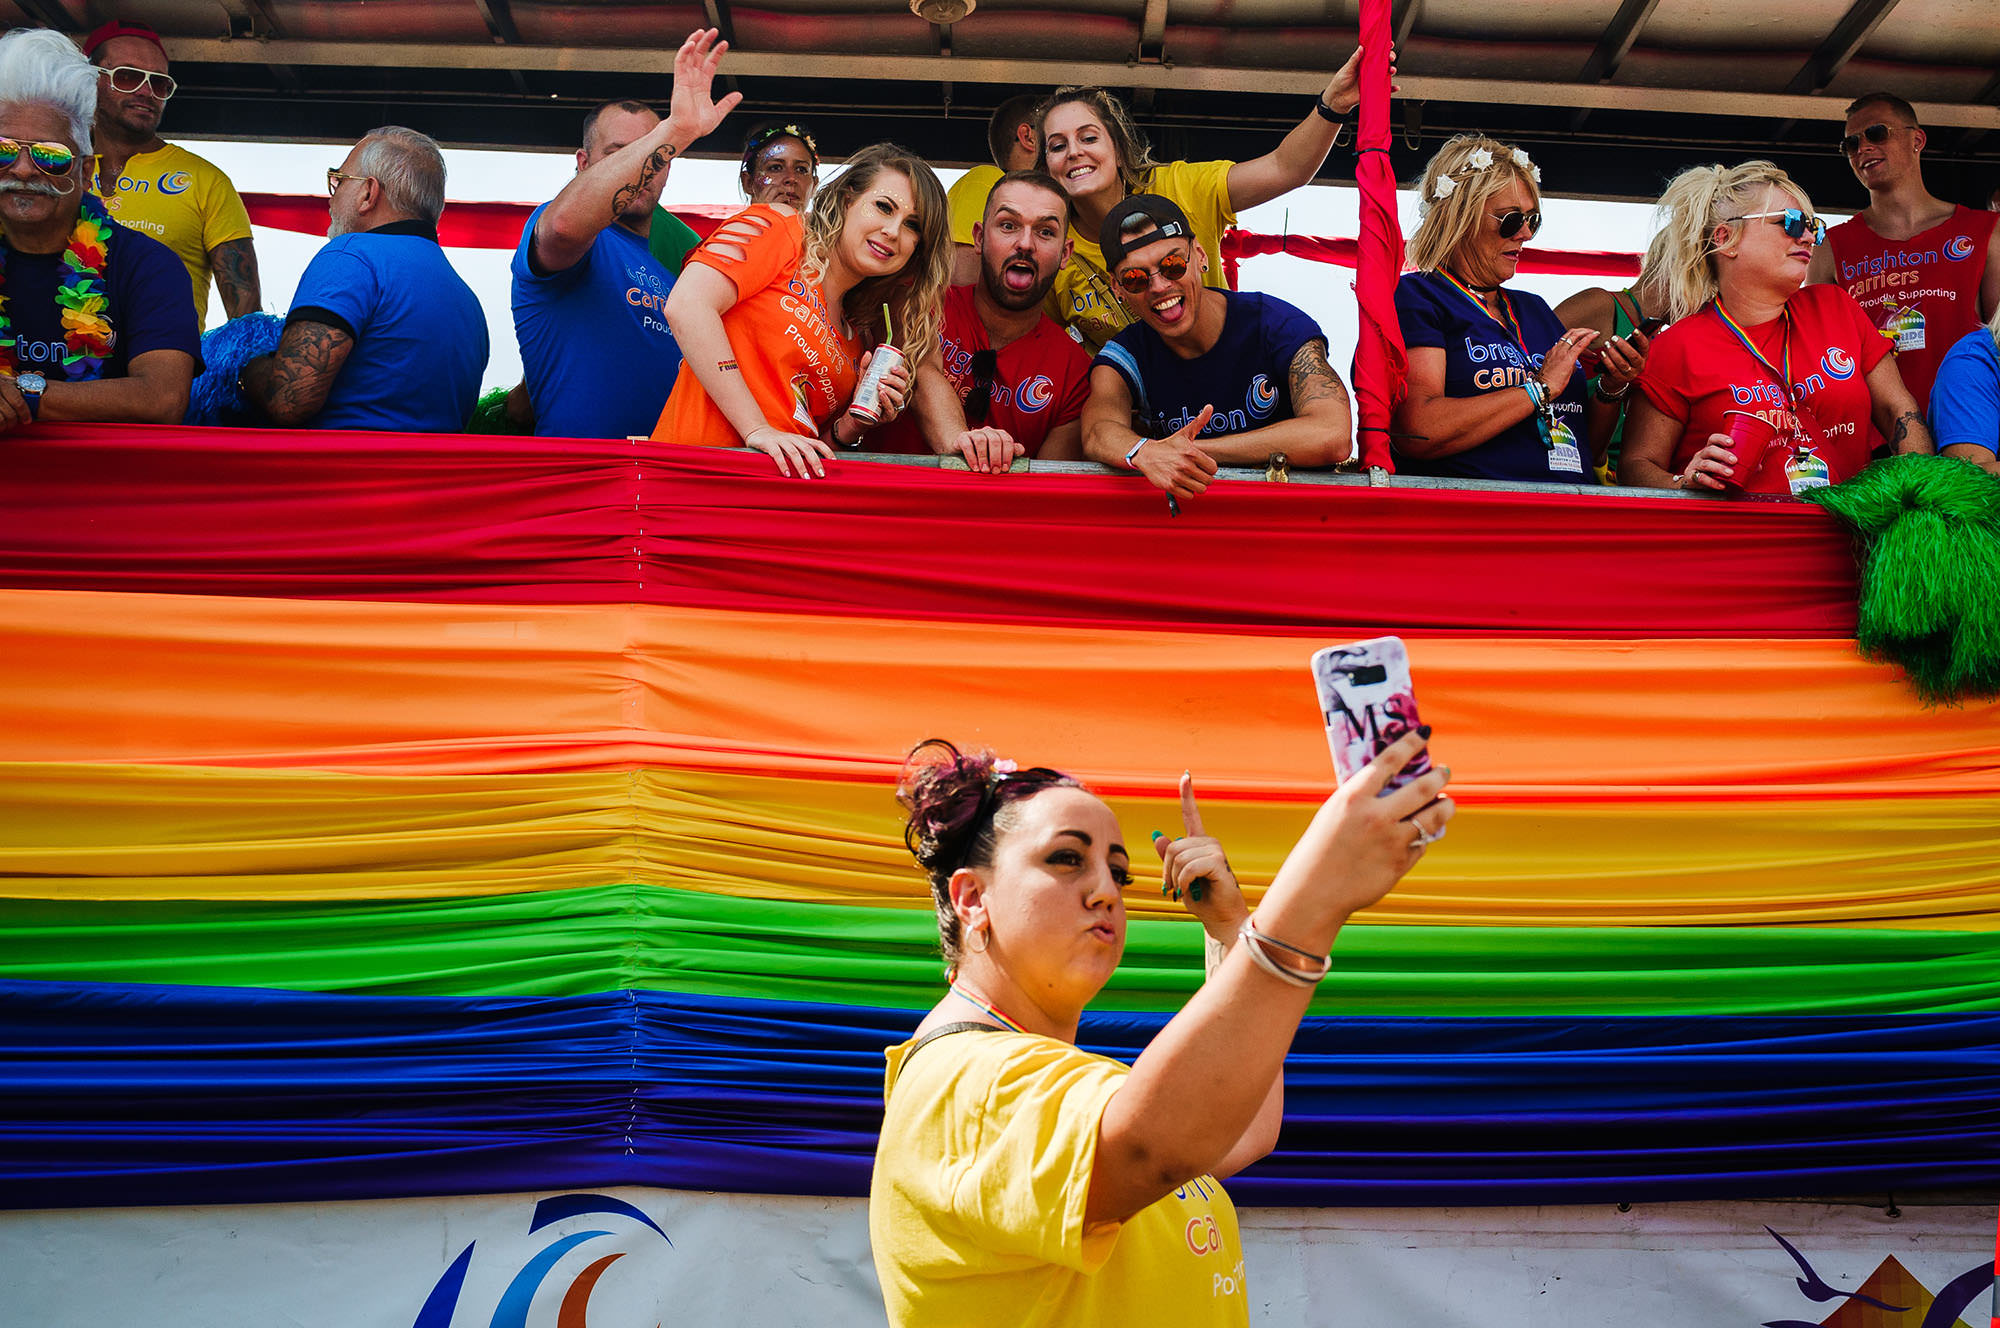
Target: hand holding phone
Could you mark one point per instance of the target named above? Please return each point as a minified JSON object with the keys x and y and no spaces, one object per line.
{"x":1367,"y":702}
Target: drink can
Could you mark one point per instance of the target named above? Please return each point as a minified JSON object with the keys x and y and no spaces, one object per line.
{"x":867,"y":403}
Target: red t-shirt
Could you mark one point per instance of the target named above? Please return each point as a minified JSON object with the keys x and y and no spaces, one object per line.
{"x":1922,"y":292}
{"x":1039,"y":381}
{"x":1697,"y":369}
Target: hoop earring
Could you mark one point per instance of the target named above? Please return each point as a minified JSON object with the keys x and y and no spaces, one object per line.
{"x":981,"y":948}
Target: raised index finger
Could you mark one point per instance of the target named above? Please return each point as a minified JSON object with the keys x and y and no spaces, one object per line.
{"x":1190,"y":814}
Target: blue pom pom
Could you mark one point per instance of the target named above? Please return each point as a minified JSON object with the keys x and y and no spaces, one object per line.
{"x":214,"y":399}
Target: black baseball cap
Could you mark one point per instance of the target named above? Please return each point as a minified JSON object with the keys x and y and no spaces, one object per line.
{"x":1169,"y":223}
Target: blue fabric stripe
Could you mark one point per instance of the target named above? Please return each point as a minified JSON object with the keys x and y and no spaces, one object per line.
{"x":173,"y":1095}
{"x":1119,"y":358}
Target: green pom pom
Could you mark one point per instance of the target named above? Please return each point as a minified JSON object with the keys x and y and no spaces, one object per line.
{"x":490,"y":415}
{"x":1929,"y":531}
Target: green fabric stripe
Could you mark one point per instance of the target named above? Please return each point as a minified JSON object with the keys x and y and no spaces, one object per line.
{"x":635,"y":936}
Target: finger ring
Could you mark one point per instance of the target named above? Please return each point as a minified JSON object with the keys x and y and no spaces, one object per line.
{"x":1424,"y":836}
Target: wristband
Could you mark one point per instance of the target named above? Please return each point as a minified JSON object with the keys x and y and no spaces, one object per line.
{"x":1597,"y":390}
{"x":1135,"y":451}
{"x":1538,"y":393}
{"x":1326,"y":112}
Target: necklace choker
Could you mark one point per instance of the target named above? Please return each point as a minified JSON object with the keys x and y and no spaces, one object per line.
{"x":1483,"y":290}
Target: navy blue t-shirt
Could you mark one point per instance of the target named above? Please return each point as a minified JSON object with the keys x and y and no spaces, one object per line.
{"x":151,"y":305}
{"x":1481,"y":355}
{"x":419,"y":336}
{"x":1246,"y":375}
{"x":595,"y":348}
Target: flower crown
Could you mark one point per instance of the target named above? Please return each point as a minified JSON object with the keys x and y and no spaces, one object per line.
{"x":1480,"y":160}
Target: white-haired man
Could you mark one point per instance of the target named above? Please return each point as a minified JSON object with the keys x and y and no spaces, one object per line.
{"x":383,"y":333}
{"x":98,"y":321}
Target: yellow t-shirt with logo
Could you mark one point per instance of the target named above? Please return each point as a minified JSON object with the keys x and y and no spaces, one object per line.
{"x":976,"y":1207}
{"x":967,"y":197}
{"x":183,"y":201}
{"x":1085,"y":298}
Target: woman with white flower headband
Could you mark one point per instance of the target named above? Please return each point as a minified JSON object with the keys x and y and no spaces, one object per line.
{"x":1022,"y":1180}
{"x":1493,"y":389}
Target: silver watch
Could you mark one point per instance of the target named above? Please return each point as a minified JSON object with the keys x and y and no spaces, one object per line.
{"x":32,"y":385}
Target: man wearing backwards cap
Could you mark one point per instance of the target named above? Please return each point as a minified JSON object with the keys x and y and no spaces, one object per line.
{"x":1208,"y":376}
{"x":183,"y":201}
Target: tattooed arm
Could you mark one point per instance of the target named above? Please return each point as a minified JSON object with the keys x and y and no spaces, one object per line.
{"x":234,"y":263}
{"x":622,"y":187}
{"x":1320,"y":432}
{"x":291,"y":384}
{"x":1895,"y":415}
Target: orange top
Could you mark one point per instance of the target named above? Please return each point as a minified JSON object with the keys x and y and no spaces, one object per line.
{"x":788,"y":346}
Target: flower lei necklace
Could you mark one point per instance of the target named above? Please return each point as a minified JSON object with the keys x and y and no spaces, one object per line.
{"x":81,"y":298}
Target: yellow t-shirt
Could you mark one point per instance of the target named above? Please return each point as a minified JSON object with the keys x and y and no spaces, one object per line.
{"x":1086,"y":299}
{"x":976,"y":1207}
{"x":967,"y":198}
{"x":183,"y":201}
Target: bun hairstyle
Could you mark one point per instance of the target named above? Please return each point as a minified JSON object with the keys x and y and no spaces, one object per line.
{"x":958,"y":806}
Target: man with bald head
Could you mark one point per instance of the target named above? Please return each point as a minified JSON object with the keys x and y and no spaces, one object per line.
{"x":589,"y":296}
{"x":383,"y":333}
{"x":182,"y":200}
{"x":98,"y":322}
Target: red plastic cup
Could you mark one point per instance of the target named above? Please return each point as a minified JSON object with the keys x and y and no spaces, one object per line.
{"x":1755,"y":440}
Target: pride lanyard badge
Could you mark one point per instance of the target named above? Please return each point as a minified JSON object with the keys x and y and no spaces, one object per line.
{"x":1804,"y":469}
{"x":1557,"y":438}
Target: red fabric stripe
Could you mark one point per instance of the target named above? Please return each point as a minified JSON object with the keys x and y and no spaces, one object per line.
{"x":1381,"y":362}
{"x":498,"y":226}
{"x":457,"y":518}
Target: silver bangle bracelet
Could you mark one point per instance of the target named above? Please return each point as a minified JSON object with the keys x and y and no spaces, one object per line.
{"x":1256,"y":941}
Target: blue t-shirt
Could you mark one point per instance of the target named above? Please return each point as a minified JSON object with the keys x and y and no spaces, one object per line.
{"x":419,"y":336}
{"x":1246,"y":375}
{"x":595,"y":348}
{"x":1965,"y":399}
{"x":1480,"y":356}
{"x":147,"y":312}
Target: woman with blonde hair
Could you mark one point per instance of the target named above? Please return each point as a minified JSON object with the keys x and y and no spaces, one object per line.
{"x":1090,"y":145}
{"x":1633,"y":316}
{"x":1798,"y":371}
{"x":1493,"y":390}
{"x":1965,"y":398}
{"x":774,"y":310}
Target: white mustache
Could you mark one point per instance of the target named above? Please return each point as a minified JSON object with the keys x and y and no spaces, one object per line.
{"x":30,"y":187}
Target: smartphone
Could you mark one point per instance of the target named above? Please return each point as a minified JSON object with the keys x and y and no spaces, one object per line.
{"x":1651,"y":326}
{"x":1368,"y":702}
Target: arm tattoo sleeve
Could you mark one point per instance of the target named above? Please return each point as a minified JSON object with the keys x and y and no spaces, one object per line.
{"x":309,"y":358}
{"x":1903,"y":423}
{"x":234,"y":263}
{"x":1313,"y":379}
{"x":656,"y":163}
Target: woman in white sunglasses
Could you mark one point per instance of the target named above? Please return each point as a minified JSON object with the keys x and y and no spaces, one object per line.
{"x":1494,"y":392}
{"x":1763,"y":384}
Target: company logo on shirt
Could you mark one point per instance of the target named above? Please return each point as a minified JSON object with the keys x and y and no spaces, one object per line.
{"x":1035,"y":395}
{"x":1958,"y":247}
{"x":175,"y":182}
{"x":1837,"y":363}
{"x":1261,"y":397}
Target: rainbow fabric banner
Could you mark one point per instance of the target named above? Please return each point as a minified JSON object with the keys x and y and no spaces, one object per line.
{"x":413,"y":815}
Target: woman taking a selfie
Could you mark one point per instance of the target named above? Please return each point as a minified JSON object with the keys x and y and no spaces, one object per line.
{"x":1798,"y":370}
{"x":773,"y":312}
{"x":1021,"y":1180}
{"x":1494,"y":391}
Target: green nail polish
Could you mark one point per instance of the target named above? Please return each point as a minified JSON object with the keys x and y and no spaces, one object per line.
{"x":1159,"y":834}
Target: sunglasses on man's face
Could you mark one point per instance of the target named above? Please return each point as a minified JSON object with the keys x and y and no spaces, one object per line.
{"x":127,"y":79}
{"x":1793,"y":221}
{"x":49,"y":158}
{"x":1135,"y":280}
{"x":1513,"y":221}
{"x":1878,"y":134}
{"x":980,"y":399}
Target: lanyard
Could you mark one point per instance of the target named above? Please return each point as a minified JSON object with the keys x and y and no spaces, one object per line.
{"x":1784,"y":376}
{"x":1506,"y":318}
{"x":970,"y":999}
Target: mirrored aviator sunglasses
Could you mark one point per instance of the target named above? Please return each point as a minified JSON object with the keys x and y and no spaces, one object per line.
{"x":49,"y":158}
{"x":1792,"y":221}
{"x":1134,"y":280}
{"x":1513,"y":221}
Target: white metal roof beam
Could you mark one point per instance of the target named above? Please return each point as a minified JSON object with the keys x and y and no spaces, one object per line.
{"x":963,"y":69}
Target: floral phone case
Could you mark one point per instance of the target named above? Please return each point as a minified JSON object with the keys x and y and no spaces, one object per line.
{"x":1367,"y":702}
